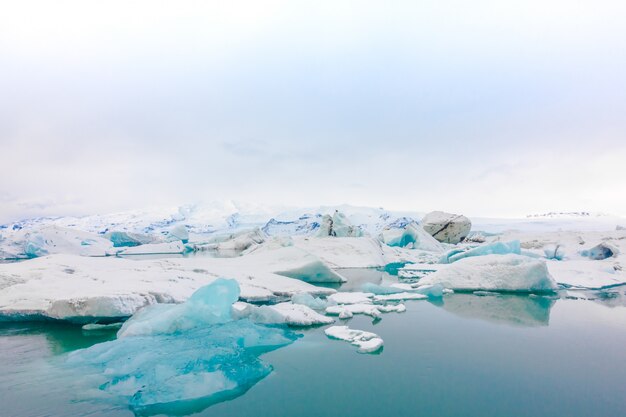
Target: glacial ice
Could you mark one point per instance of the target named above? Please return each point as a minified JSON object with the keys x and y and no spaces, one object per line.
{"x":122,"y":239}
{"x":208,"y":305}
{"x":400,"y":297}
{"x":183,"y":372}
{"x":376,"y":289}
{"x":366,"y":342}
{"x":495,"y":248}
{"x":494,"y":272}
{"x":308,"y":300}
{"x":350,"y":297}
{"x":412,"y":235}
{"x":286,"y":313}
{"x":178,"y":233}
{"x":181,"y":358}
{"x":337,"y":226}
{"x":346,"y":311}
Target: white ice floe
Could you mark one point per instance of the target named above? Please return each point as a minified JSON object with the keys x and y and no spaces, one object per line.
{"x":286,"y":313}
{"x":83,"y":288}
{"x":400,"y":297}
{"x":587,"y":274}
{"x":346,"y":311}
{"x":351,"y":298}
{"x":392,"y":308}
{"x":494,"y":272}
{"x":366,"y":342}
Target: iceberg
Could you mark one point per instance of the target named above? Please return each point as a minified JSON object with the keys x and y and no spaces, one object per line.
{"x":338,"y":226}
{"x":180,"y":373}
{"x":412,"y":235}
{"x":179,"y":359}
{"x":208,"y":305}
{"x":495,"y":248}
{"x":494,"y":273}
{"x":366,"y":342}
{"x":122,"y":239}
{"x":178,"y":233}
{"x":308,"y":300}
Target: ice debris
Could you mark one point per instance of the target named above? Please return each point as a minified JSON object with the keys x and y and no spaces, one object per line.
{"x":366,"y":342}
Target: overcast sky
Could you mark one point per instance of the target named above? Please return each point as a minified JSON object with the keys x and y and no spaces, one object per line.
{"x":493,"y":108}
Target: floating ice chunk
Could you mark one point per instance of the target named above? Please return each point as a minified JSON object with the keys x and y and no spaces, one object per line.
{"x":128,"y":239}
{"x":431,"y":291}
{"x":308,"y":300}
{"x":602,"y":251}
{"x":413,"y":236}
{"x":346,"y":311}
{"x":53,"y":239}
{"x":366,"y":342}
{"x":495,"y":248}
{"x":554,"y":251}
{"x":368,"y":287}
{"x":309,"y":268}
{"x":208,"y":305}
{"x":446,"y":227}
{"x":400,"y":296}
{"x":494,"y":272}
{"x":392,"y":308}
{"x":287,"y":313}
{"x":178,"y":232}
{"x":350,"y":298}
{"x":180,"y":373}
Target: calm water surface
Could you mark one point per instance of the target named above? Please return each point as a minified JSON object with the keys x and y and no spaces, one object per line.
{"x":466,"y":356}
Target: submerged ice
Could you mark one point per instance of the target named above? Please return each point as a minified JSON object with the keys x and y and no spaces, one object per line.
{"x":178,"y":359}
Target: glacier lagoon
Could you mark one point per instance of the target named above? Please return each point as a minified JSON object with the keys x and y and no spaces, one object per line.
{"x":472,"y":355}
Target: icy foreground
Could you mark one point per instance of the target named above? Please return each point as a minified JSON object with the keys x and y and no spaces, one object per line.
{"x":181,"y":358}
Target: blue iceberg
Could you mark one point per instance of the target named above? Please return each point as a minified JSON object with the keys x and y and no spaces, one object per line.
{"x":495,"y":248}
{"x":180,"y":359}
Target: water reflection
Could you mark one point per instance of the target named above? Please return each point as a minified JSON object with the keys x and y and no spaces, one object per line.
{"x":517,"y":310}
{"x":57,"y":336}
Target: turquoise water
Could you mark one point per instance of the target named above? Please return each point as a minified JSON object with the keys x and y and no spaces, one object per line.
{"x":505,"y":355}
